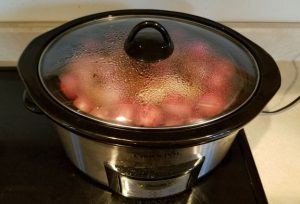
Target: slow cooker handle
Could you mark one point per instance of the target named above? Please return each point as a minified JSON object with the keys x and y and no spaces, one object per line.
{"x":29,"y":104}
{"x":150,"y":183}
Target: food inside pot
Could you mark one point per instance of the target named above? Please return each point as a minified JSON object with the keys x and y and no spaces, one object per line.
{"x":194,"y":84}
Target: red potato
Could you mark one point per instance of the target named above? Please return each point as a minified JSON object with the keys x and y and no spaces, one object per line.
{"x":107,"y":95}
{"x":75,"y":78}
{"x":217,"y":83}
{"x":209,"y":105}
{"x":106,"y":87}
{"x":199,"y":52}
{"x":125,"y":111}
{"x":202,"y":60}
{"x":122,"y":113}
{"x":220,"y":80}
{"x":69,"y":85}
{"x":177,"y":109}
{"x":83,"y":103}
{"x":148,"y":116}
{"x":198,"y":60}
{"x":224,"y":67}
{"x":93,"y":77}
{"x":102,"y":112}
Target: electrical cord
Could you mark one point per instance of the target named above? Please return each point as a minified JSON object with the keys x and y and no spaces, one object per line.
{"x":294,"y":102}
{"x":284,"y":107}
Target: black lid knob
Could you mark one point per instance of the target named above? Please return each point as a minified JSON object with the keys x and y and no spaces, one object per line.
{"x":148,"y":46}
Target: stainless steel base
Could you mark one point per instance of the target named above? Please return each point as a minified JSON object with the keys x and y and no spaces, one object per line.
{"x":141,"y":172}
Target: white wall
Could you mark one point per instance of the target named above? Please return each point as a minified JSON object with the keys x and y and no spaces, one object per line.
{"x":220,"y":10}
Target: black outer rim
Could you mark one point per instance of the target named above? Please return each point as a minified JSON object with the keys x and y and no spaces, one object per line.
{"x":188,"y":136}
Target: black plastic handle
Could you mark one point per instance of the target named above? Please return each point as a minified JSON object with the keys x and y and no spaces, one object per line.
{"x":29,"y":104}
{"x":149,"y":48}
{"x":150,"y":24}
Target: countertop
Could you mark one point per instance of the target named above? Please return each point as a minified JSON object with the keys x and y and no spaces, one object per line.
{"x":275,"y":138}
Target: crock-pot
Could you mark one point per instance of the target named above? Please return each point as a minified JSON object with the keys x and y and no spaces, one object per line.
{"x":146,"y":102}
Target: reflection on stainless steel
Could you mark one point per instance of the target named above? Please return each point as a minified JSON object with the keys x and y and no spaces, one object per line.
{"x":156,"y":172}
{"x":73,"y":150}
{"x":134,"y":164}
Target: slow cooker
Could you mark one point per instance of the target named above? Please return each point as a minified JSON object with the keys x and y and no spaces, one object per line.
{"x":146,"y":101}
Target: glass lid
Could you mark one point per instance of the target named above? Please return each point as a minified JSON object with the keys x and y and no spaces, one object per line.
{"x":148,"y":71}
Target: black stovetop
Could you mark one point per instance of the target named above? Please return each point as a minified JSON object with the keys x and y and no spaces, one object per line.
{"x":35,"y":169}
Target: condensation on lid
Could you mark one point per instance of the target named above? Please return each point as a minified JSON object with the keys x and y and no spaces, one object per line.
{"x":207,"y":76}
